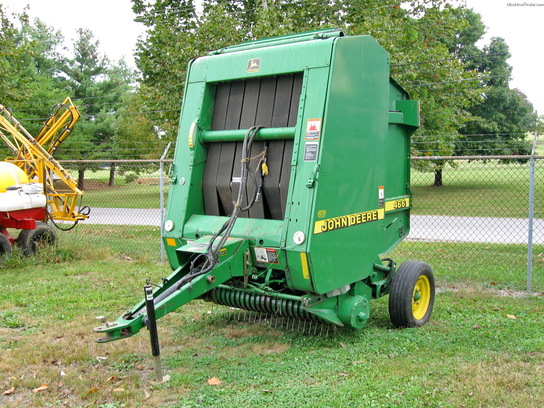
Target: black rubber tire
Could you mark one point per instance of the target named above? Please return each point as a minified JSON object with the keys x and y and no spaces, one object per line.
{"x":31,"y":241}
{"x":5,"y":247}
{"x":413,"y":283}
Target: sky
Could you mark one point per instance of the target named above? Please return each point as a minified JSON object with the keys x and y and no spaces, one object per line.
{"x":519,"y":22}
{"x":111,"y":21}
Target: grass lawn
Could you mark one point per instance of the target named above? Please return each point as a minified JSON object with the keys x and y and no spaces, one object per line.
{"x":484,"y":345}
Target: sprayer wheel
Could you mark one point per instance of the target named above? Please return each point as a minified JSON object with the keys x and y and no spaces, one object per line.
{"x":32,"y":240}
{"x":411,"y":297}
{"x":5,"y":247}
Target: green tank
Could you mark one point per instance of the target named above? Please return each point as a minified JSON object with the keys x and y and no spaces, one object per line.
{"x":291,"y":180}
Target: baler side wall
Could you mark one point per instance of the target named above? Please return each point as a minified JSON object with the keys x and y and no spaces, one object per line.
{"x":355,"y":163}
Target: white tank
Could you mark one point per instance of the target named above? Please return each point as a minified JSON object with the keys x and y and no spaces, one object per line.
{"x":22,"y":197}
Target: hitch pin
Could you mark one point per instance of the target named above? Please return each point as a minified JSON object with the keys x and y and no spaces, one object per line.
{"x":148,"y":282}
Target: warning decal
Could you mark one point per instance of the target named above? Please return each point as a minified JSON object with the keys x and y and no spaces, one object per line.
{"x":268,"y":255}
{"x":345,"y":221}
{"x":313,"y":129}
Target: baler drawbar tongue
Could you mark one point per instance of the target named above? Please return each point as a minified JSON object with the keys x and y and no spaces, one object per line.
{"x":178,"y":290}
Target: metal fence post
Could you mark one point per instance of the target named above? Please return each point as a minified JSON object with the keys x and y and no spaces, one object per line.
{"x":161,"y":182}
{"x":531,"y":217}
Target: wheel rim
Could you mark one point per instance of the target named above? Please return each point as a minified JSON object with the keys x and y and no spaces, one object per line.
{"x":421,"y":297}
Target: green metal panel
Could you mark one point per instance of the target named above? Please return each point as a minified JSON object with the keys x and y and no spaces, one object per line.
{"x":280,"y":40}
{"x":275,"y":60}
{"x":353,"y":164}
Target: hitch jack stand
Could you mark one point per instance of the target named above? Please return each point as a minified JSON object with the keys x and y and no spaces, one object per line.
{"x":151,"y":324}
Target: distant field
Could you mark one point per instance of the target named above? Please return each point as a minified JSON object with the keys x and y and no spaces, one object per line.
{"x":480,"y":190}
{"x":143,"y":194}
{"x":540,"y":147}
{"x":471,"y":189}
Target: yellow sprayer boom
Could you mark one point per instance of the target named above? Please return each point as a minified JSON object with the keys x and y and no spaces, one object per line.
{"x":34,"y":155}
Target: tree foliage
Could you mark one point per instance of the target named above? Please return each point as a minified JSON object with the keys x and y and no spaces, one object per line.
{"x":414,"y":34}
{"x":38,"y":71}
{"x":463,"y":88}
{"x":13,"y":86}
{"x":102,"y":87}
{"x":41,"y":73}
{"x":500,"y":122}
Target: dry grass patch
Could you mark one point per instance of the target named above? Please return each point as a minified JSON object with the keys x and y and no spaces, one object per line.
{"x":503,"y":381}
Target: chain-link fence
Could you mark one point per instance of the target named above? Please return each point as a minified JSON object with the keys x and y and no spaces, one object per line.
{"x":477,"y":220}
{"x":125,"y":198}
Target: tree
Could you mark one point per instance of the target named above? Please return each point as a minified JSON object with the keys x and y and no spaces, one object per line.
{"x":41,"y":73}
{"x":412,"y":34}
{"x":92,"y":79}
{"x":162,"y":56}
{"x":36,"y":75}
{"x":502,"y":119}
{"x":447,"y":83}
{"x":28,"y":66}
{"x":438,"y":139}
{"x":13,"y":86}
{"x":136,"y":137}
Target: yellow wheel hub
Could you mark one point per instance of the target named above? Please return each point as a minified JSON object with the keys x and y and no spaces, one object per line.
{"x":421,"y":297}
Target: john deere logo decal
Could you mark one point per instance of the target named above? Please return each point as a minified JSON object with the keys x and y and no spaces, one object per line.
{"x":253,"y":65}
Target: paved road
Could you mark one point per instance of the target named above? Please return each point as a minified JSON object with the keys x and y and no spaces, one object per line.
{"x":474,"y":229}
{"x":124,"y":216}
{"x":423,"y":227}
